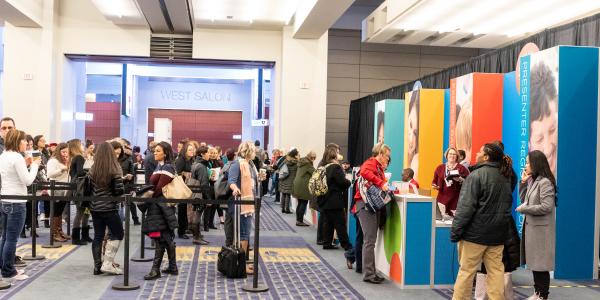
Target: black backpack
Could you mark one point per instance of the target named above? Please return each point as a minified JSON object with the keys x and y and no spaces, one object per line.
{"x":83,"y":187}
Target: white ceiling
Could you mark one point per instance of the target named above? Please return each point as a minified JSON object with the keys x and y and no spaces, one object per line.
{"x":243,"y":12}
{"x":458,"y":23}
{"x":469,"y":23}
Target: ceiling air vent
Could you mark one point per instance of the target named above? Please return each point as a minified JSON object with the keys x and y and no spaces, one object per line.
{"x":171,"y":46}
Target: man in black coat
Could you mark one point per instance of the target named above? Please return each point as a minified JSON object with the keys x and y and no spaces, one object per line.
{"x":480,"y":225}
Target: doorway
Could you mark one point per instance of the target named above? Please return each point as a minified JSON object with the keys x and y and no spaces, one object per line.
{"x":218,"y":128}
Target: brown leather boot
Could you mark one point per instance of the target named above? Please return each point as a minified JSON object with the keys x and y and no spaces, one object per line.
{"x":56,"y":223}
{"x":60,"y":229}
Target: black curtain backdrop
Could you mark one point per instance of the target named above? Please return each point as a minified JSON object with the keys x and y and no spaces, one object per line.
{"x":583,"y":32}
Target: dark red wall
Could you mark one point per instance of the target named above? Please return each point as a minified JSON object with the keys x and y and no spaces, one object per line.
{"x":106,"y":123}
{"x":213,"y":127}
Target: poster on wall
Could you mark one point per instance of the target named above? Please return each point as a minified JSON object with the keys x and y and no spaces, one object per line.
{"x":558,"y":116}
{"x":379,"y":122}
{"x":462,"y":116}
{"x":475,"y":112}
{"x":543,"y":105}
{"x":411,"y":137}
{"x":389,"y":129}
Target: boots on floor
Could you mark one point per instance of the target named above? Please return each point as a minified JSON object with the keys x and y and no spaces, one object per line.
{"x":60,"y":230}
{"x":56,"y":223}
{"x":171,"y":254}
{"x":508,"y":286}
{"x":197,"y":238}
{"x":159,"y":252}
{"x":97,"y":255}
{"x":76,"y":234}
{"x":108,"y":265}
{"x":85,"y":234}
{"x":480,"y":289}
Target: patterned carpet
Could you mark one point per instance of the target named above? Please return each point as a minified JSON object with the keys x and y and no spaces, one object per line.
{"x":36,"y":268}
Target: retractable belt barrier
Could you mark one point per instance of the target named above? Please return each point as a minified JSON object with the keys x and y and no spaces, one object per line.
{"x":127,"y":199}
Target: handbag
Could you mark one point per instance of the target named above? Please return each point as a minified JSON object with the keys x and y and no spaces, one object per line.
{"x":231,"y":260}
{"x":374,"y":197}
{"x":284,"y":172}
{"x":177,"y":189}
{"x":221,"y":186}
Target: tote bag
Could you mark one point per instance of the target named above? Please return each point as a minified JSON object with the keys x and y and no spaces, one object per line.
{"x":177,"y":189}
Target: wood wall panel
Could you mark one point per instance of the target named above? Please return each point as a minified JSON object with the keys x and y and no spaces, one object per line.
{"x":213,"y":127}
{"x":106,"y":123}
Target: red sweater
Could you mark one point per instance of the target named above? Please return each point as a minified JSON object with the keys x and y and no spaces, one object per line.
{"x":372,"y":171}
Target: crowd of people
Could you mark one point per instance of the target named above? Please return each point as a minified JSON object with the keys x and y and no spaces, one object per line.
{"x":477,"y":199}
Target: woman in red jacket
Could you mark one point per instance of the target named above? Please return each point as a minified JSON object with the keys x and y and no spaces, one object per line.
{"x":448,"y":179}
{"x":373,"y":171}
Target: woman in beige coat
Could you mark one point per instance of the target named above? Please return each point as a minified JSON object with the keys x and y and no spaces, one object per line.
{"x":538,"y":195}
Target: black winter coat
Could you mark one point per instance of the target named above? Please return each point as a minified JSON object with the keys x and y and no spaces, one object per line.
{"x":159,"y":217}
{"x":483,"y":207}
{"x":115,"y":189}
{"x":337,"y":185}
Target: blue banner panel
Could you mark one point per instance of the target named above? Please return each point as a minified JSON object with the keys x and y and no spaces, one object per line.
{"x":418,"y":243}
{"x":576,"y":166}
{"x":511,"y":124}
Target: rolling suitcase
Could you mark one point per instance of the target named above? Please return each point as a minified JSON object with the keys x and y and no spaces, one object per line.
{"x":231,"y":261}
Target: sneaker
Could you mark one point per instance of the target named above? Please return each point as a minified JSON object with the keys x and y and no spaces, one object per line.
{"x":18,"y":277}
{"x":19,"y":262}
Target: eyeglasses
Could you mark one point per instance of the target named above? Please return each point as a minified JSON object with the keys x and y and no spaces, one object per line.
{"x":7,"y":128}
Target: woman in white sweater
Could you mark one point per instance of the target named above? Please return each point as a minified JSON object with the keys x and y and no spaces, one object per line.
{"x":57,"y":169}
{"x":15,"y":179}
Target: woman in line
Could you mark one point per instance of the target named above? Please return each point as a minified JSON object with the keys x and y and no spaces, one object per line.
{"x":448,"y":179}
{"x":81,"y":228}
{"x":216,"y":162}
{"x":183,"y":167}
{"x":538,"y":195}
{"x":160,"y":222}
{"x":286,"y":185}
{"x":123,"y":153}
{"x":200,"y":178}
{"x":301,"y":192}
{"x":372,"y":170}
{"x":90,"y":149}
{"x":332,"y":205}
{"x":58,"y":169}
{"x":107,"y":181}
{"x":244,"y":180}
{"x":203,"y":157}
{"x":15,"y":179}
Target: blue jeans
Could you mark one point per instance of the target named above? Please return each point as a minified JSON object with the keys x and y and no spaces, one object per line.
{"x":13,"y":220}
{"x":245,"y":227}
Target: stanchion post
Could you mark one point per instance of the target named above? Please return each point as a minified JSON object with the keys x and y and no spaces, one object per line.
{"x":34,"y":256}
{"x":51,"y":243}
{"x":255,"y":287}
{"x":68,"y":206}
{"x":126,"y":286}
{"x":142,"y":257}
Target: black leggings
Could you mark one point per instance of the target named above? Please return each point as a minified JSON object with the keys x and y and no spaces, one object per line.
{"x":335,"y":220}
{"x":59,"y":207}
{"x":103,"y":220}
{"x":541,"y":283}
{"x":301,"y":210}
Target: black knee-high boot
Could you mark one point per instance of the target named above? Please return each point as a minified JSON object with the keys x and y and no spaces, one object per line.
{"x":97,"y":254}
{"x":172,"y":269}
{"x":159,"y":252}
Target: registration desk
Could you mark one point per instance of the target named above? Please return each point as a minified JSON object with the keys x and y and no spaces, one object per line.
{"x":413,"y":249}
